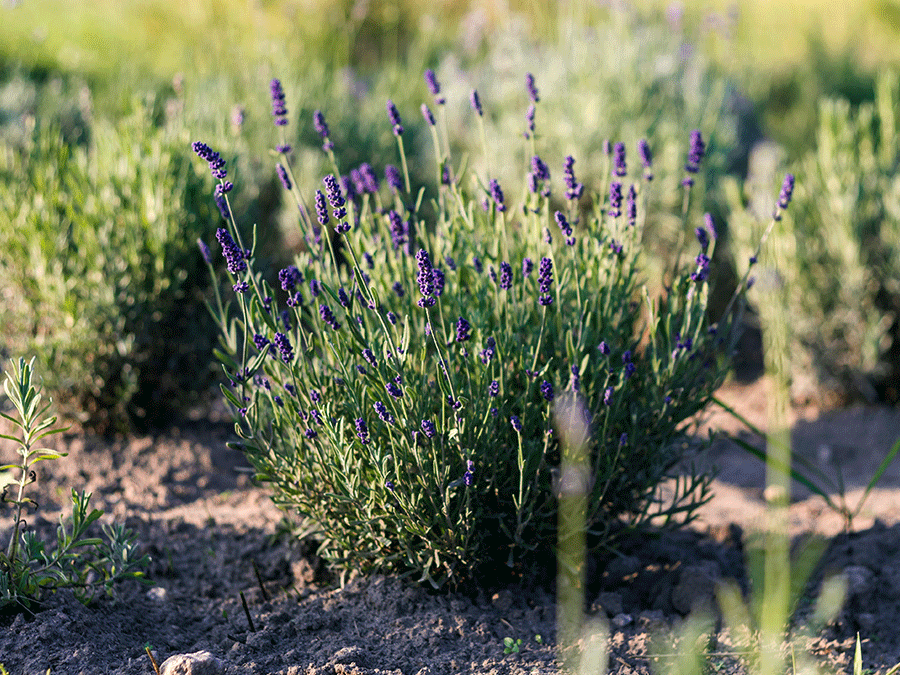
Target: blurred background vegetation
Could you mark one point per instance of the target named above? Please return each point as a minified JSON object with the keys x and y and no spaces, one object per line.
{"x":156,"y":74}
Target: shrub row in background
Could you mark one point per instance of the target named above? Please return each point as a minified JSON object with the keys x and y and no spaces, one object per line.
{"x":98,"y":273}
{"x":841,"y":260}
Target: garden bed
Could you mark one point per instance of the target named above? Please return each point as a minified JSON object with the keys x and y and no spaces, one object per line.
{"x":211,"y":533}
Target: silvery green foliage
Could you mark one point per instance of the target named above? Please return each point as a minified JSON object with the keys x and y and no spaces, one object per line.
{"x":396,"y":386}
{"x":101,"y":275}
{"x":28,"y":567}
{"x":838,"y":242}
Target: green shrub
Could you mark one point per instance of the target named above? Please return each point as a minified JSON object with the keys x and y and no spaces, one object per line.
{"x":99,"y":269}
{"x":413,"y":426}
{"x":839,"y":240}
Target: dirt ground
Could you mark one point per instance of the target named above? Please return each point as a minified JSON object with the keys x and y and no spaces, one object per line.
{"x":212,"y":535}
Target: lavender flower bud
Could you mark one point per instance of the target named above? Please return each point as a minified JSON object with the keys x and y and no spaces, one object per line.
{"x":646,"y":158}
{"x":204,"y":251}
{"x":398,"y":289}
{"x":631,"y":206}
{"x":437,"y":276}
{"x":516,"y":422}
{"x":496,"y":194}
{"x":462,"y":330}
{"x":604,"y":348}
{"x":574,"y":189}
{"x":787,"y":191}
{"x":425,"y":279}
{"x":615,"y":199}
{"x":619,"y":159}
{"x":233,"y":255}
{"x":328,"y":317}
{"x":392,"y":176}
{"x":284,"y":347}
{"x":527,"y":267}
{"x":362,"y":431}
{"x":394,"y":117}
{"x":426,"y":113}
{"x":695,"y":154}
{"x":343,"y":298}
{"x":539,"y":169}
{"x":434,"y":87}
{"x":490,"y":348}
{"x":531,"y":88}
{"x":370,"y":180}
{"x":283,"y":175}
{"x":493,"y":388}
{"x":608,"y":396}
{"x":322,"y":129}
{"x":279,"y":111}
{"x":702,"y":237}
{"x":475,"y":100}
{"x":289,"y":277}
{"x":547,"y":390}
{"x":469,"y":476}
{"x":506,"y":275}
{"x":529,"y":118}
{"x":215,"y":161}
{"x":335,"y":197}
{"x":383,"y":413}
{"x":545,"y":278}
{"x":428,"y":428}
{"x":321,"y":208}
{"x":260,"y":341}
{"x":711,"y":225}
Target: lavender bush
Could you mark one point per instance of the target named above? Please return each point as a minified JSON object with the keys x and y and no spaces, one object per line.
{"x":395,"y":386}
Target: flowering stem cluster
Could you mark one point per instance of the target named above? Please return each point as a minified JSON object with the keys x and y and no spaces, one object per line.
{"x":403,"y":398}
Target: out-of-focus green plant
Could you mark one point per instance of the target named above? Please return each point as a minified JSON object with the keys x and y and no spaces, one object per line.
{"x":99,"y":269}
{"x":840,"y":246}
{"x":413,"y":426}
{"x":28,"y":569}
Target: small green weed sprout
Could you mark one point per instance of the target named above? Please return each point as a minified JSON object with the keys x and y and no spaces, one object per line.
{"x":397,"y":390}
{"x":79,"y":562}
{"x":511,"y":646}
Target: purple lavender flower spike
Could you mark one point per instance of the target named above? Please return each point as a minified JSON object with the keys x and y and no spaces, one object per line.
{"x":428,"y":428}
{"x":335,"y":196}
{"x":619,"y":159}
{"x":369,"y":179}
{"x":539,"y":169}
{"x":328,"y":317}
{"x":425,"y":279}
{"x":428,"y":115}
{"x":496,"y":194}
{"x":394,"y":117}
{"x":702,"y":237}
{"x":784,"y":198}
{"x":322,"y":129}
{"x":531,"y":88}
{"x":434,"y":87}
{"x":574,"y":189}
{"x":283,"y":175}
{"x":490,"y":348}
{"x":233,"y":255}
{"x":529,"y":118}
{"x":383,"y":413}
{"x":608,"y":396}
{"x":343,"y":298}
{"x":392,"y":176}
{"x":215,"y":161}
{"x":646,"y":158}
{"x":437,"y":276}
{"x":711,"y":225}
{"x":462,"y":330}
{"x":260,"y":341}
{"x":469,"y":476}
{"x":289,"y":277}
{"x":545,"y":278}
{"x":615,"y":199}
{"x":204,"y":251}
{"x":506,"y":275}
{"x":494,"y":389}
{"x":631,"y":206}
{"x":475,"y":100}
{"x":516,"y":422}
{"x":222,"y":203}
{"x":695,"y":156}
{"x":321,"y":208}
{"x":362,"y":431}
{"x":279,"y":111}
{"x":284,"y":347}
{"x":527,"y":267}
{"x":547,"y":390}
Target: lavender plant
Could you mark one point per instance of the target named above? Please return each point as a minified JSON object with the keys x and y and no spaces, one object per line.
{"x":28,"y":568}
{"x":395,"y":386}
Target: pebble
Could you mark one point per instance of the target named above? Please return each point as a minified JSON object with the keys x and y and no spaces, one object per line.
{"x":195,"y":663}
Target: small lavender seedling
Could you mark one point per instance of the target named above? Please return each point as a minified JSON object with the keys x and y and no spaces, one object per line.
{"x":81,"y":563}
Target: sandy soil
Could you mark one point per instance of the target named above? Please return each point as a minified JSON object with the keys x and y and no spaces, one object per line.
{"x":213,"y":535}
